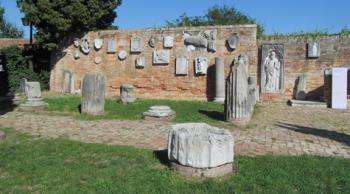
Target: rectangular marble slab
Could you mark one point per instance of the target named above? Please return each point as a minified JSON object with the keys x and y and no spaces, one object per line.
{"x":135,"y":45}
{"x":111,"y":46}
{"x":181,"y":66}
{"x":313,"y":50}
{"x":161,"y":57}
{"x":339,"y":88}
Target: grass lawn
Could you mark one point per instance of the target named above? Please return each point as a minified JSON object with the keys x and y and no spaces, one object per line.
{"x":186,"y":111}
{"x":31,"y":165}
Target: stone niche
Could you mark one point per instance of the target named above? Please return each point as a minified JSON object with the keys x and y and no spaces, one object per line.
{"x":198,"y":149}
{"x":181,"y":66}
{"x":272,"y":68}
{"x":313,"y":50}
{"x":161,"y":57}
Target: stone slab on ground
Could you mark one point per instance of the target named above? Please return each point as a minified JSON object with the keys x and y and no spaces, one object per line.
{"x":304,"y":103}
{"x":159,"y":113}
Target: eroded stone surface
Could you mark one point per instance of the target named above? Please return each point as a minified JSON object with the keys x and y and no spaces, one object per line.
{"x":159,"y":112}
{"x":200,"y":145}
{"x":127,"y":94}
{"x":93,"y":94}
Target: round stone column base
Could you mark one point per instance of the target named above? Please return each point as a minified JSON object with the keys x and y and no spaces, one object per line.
{"x":202,"y":172}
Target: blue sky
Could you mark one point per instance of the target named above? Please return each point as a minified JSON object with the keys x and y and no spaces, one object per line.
{"x":277,"y":15}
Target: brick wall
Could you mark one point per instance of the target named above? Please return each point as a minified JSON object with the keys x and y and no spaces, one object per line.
{"x":154,"y":81}
{"x":6,"y":42}
{"x":335,"y":52}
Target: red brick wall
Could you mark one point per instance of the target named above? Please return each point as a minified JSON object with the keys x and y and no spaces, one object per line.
{"x":6,"y":42}
{"x":154,"y":81}
{"x":335,"y":51}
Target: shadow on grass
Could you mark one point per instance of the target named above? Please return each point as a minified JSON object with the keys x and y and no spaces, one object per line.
{"x":162,"y":156}
{"x":216,"y":115}
{"x":6,"y":106}
{"x":333,"y":135}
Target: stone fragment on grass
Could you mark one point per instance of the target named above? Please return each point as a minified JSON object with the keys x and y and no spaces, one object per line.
{"x":159,"y":113}
{"x":93,"y":94}
{"x":127,"y":94}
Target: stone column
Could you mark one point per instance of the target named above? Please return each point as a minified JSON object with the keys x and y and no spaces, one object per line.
{"x":93,"y":94}
{"x":219,"y":80}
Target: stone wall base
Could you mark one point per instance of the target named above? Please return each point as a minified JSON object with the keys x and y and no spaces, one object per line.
{"x":202,"y":172}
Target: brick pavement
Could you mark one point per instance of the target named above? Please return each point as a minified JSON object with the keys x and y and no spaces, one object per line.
{"x":275,"y":129}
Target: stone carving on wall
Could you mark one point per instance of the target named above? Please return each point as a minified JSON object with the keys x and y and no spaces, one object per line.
{"x":98,"y":60}
{"x":272,"y":69}
{"x":140,"y":62}
{"x":135,"y":45}
{"x":161,"y":57}
{"x":201,"y":65}
{"x":152,"y":41}
{"x":67,"y":81}
{"x":85,"y":47}
{"x":313,"y":50}
{"x":168,"y":42}
{"x":76,"y":55}
{"x":200,"y":40}
{"x":233,"y":41}
{"x":98,"y":43}
{"x":240,"y":95}
{"x":112,"y":46}
{"x":122,"y":55}
{"x":181,"y":66}
{"x":76,"y":43}
{"x":1,"y":68}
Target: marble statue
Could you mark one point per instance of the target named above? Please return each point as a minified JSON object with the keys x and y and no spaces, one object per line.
{"x":112,"y":46}
{"x":140,"y":62}
{"x":201,"y":65}
{"x":122,"y":55}
{"x":85,"y":47}
{"x":98,"y":44}
{"x":181,"y":66}
{"x":135,"y":45}
{"x":233,"y":41}
{"x":168,"y":42}
{"x":161,"y":57}
{"x":272,"y":68}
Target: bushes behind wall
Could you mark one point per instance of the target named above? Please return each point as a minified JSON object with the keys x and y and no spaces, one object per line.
{"x":21,"y":63}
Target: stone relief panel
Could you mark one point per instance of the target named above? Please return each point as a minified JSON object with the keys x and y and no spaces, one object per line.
{"x":98,"y":44}
{"x":201,"y":65}
{"x":98,"y":60}
{"x":161,"y":57}
{"x":122,"y":55}
{"x":76,"y":43}
{"x":232,"y":41}
{"x":135,"y":45}
{"x":85,"y":46}
{"x":168,"y":42}
{"x":313,"y":50}
{"x":272,"y":68}
{"x":112,"y":46}
{"x":181,"y":66}
{"x":76,"y":54}
{"x":140,"y":62}
{"x":200,"y":40}
{"x":152,"y":41}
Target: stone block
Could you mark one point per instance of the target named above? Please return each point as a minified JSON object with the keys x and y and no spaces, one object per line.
{"x":127,"y":94}
{"x":181,"y":66}
{"x":163,"y":113}
{"x":161,"y":57}
{"x":112,"y":46}
{"x":93,"y":94}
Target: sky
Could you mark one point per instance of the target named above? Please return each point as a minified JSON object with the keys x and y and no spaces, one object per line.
{"x":280,"y":16}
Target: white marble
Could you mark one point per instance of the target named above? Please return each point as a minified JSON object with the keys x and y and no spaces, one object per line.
{"x":181,"y":66}
{"x":339,"y":88}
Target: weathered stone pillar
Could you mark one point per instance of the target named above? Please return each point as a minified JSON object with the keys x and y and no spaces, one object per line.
{"x":93,"y":94}
{"x":219,"y":80}
{"x":67,"y":82}
{"x":301,"y":88}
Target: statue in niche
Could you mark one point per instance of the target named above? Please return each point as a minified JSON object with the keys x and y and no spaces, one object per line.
{"x":152,"y":41}
{"x":272,"y":68}
{"x":85,"y":47}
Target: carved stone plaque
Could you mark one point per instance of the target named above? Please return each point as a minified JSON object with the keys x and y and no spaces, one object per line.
{"x":204,"y":40}
{"x":181,"y":66}
{"x":168,"y":42}
{"x":152,"y":41}
{"x":111,"y":46}
{"x":272,"y":68}
{"x":85,"y":47}
{"x":232,"y":41}
{"x":76,"y":54}
{"x":140,"y":62}
{"x":122,"y":55}
{"x":201,"y":65}
{"x":76,"y":42}
{"x":135,"y":45}
{"x":98,"y":60}
{"x":313,"y":50}
{"x":98,"y":44}
{"x":161,"y":57}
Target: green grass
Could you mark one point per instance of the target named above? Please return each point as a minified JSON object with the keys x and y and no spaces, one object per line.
{"x":32,"y":165}
{"x":186,"y":111}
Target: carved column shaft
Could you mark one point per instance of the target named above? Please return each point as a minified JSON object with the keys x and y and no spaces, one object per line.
{"x":219,"y":80}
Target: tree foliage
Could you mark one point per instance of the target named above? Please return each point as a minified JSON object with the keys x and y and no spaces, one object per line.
{"x":7,"y":29}
{"x":216,"y":15}
{"x":56,"y":19}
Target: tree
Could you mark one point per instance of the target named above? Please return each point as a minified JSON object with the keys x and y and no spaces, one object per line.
{"x":7,"y":29}
{"x":56,"y":19}
{"x":216,"y":15}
